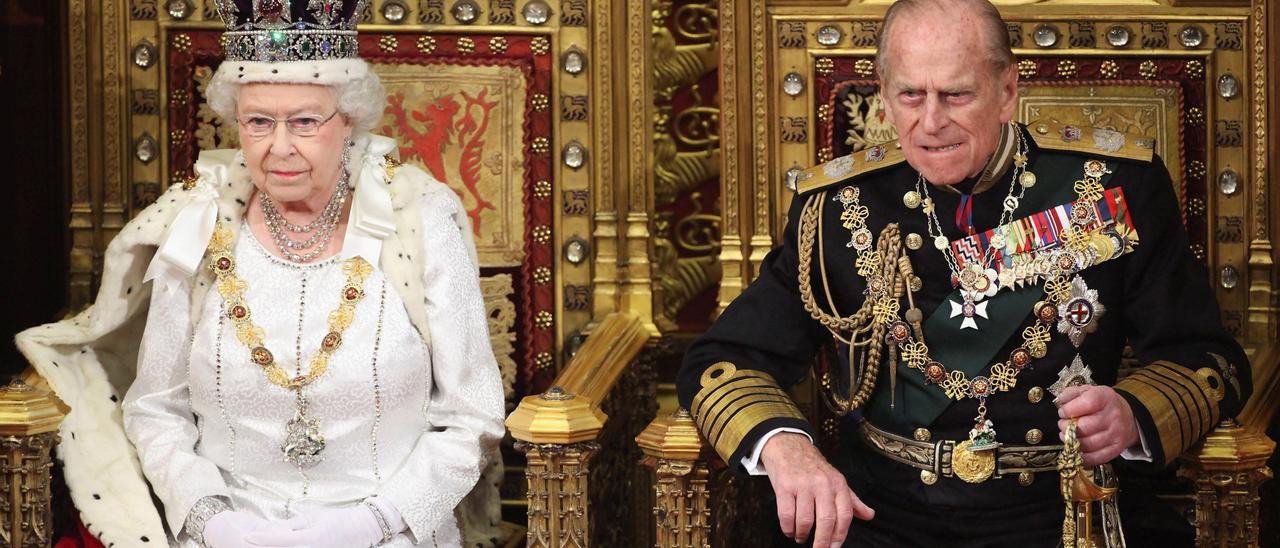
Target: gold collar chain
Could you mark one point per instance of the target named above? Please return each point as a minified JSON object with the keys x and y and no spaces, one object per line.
{"x":232,"y":288}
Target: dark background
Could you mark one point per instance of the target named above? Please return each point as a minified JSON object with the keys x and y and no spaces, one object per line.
{"x":34,"y":238}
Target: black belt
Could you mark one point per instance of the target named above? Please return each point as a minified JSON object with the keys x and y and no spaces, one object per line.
{"x":949,"y":458}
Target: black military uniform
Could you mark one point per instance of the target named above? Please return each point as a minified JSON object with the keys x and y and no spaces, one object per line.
{"x":1121,"y":273}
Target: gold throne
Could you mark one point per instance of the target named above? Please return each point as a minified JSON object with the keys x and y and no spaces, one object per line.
{"x":636,"y":162}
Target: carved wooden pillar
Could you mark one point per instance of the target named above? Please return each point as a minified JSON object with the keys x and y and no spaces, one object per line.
{"x":557,"y":433}
{"x":557,"y":494}
{"x":682,"y":512}
{"x":29,"y":419}
{"x":1227,"y":469}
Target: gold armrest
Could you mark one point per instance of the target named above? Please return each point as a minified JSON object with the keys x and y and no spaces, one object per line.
{"x":29,"y":417}
{"x":557,"y":431}
{"x":682,"y":496}
{"x":1227,"y":468}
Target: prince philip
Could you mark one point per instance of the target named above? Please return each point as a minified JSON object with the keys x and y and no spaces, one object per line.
{"x":979,"y":280}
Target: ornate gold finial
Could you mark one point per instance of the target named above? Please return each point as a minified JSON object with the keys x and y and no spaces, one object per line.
{"x":16,"y":385}
{"x":555,"y":393}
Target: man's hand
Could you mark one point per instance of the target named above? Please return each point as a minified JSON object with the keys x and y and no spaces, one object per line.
{"x":1104,"y":422}
{"x":811,"y":493}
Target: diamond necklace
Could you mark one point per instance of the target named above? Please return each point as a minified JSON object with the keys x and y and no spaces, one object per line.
{"x":323,"y":225}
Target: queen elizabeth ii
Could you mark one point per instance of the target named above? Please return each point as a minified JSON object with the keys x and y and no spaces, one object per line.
{"x":313,"y":366}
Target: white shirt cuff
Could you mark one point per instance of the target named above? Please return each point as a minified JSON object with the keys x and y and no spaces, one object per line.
{"x":1132,"y":454}
{"x":752,"y":462}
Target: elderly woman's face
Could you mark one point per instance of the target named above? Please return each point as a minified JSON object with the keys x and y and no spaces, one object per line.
{"x":943,"y":98}
{"x":290,"y":167}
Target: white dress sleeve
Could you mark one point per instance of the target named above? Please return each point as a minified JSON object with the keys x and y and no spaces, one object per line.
{"x":464,"y":411}
{"x":157,"y":409}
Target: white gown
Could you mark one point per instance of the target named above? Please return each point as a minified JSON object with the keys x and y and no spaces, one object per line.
{"x":206,"y":421}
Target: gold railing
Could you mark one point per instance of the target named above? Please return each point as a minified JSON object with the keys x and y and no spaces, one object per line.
{"x":29,"y":419}
{"x":557,"y":431}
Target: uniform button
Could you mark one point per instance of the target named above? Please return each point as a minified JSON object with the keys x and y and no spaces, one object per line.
{"x":914,"y":241}
{"x":922,"y":434}
{"x":1034,"y":436}
{"x":1035,"y":394}
{"x":928,"y":477}
{"x":1025,"y":478}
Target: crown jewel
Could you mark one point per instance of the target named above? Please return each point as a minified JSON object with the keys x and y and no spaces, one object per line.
{"x":290,"y":30}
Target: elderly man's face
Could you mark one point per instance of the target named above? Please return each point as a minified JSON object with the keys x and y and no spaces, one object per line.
{"x":942,"y":96}
{"x":288,"y":167}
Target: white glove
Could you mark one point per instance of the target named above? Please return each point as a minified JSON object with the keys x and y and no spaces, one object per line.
{"x":350,"y":527}
{"x":231,"y":529}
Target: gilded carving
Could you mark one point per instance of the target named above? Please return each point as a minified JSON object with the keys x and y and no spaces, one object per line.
{"x":576,"y":201}
{"x":682,"y":502}
{"x":1260,"y":199}
{"x":557,"y":490}
{"x":685,"y":255}
{"x":24,"y":492}
{"x":1081,"y":35}
{"x":145,"y":102}
{"x":791,"y":34}
{"x":1228,"y":35}
{"x":1230,"y":229}
{"x":1226,"y":133}
{"x":498,"y":292}
{"x":1226,"y":489}
{"x":793,"y":129}
{"x":865,"y":33}
{"x":676,"y":171}
{"x":142,"y":10}
{"x":680,"y":65}
{"x":431,"y":12}
{"x":573,"y":108}
{"x":1015,"y":34}
{"x":1155,"y":35}
{"x":502,"y":12}
{"x":573,"y":13}
{"x":577,"y":298}
{"x":114,"y":97}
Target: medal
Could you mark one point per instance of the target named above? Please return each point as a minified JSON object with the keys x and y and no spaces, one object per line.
{"x":969,"y":309}
{"x":1077,"y":374}
{"x":303,"y":441}
{"x":1078,"y":315}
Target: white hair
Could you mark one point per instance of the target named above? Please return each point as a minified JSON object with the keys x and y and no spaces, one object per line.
{"x":357,"y":89}
{"x":998,"y":53}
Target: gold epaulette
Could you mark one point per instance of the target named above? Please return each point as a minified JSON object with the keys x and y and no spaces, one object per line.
{"x":859,"y":163}
{"x":1091,"y":140}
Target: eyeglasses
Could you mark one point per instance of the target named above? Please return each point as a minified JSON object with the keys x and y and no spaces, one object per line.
{"x":260,"y":126}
